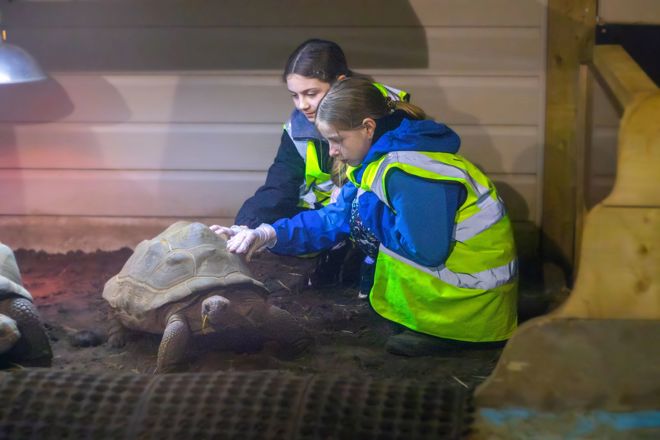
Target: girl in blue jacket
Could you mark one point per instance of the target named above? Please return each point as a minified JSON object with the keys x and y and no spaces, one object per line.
{"x":446,"y":268}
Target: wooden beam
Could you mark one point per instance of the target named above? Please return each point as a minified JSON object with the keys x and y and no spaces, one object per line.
{"x":570,"y":39}
{"x":619,"y":75}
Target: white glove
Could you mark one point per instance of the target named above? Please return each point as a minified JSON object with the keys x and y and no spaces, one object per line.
{"x":249,"y":241}
{"x":227,"y":232}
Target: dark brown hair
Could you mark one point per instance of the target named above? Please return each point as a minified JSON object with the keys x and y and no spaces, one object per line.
{"x":320,"y":59}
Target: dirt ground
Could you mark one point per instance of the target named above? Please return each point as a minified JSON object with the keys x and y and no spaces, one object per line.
{"x":349,"y":336}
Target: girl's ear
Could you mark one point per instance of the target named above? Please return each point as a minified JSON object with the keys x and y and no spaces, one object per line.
{"x":370,"y":125}
{"x":341,"y":77}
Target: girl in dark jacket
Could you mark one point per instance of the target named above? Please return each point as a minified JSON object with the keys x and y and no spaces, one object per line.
{"x":302,"y":176}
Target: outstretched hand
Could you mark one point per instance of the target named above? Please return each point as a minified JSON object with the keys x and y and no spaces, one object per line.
{"x":248,"y":241}
{"x":227,"y":232}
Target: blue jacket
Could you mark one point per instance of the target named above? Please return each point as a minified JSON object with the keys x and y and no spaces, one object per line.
{"x":422,"y":227}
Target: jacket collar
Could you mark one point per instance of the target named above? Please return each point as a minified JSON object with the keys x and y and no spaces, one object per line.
{"x":301,"y":128}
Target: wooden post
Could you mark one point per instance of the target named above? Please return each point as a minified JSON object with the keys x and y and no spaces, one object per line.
{"x":571,"y":29}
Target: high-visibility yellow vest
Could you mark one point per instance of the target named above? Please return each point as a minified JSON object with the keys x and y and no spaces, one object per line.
{"x":318,"y":184}
{"x":472,"y":295}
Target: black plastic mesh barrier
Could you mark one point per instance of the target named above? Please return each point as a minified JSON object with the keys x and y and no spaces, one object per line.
{"x":43,"y":404}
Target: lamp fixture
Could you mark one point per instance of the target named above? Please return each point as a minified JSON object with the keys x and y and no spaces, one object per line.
{"x":16,"y":65}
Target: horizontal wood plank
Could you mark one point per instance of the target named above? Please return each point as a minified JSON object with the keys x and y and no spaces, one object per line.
{"x":221,"y":147}
{"x":604,"y":112}
{"x":227,"y":98}
{"x":604,"y":151}
{"x":88,"y":234}
{"x":599,"y":188}
{"x":458,"y":51}
{"x":284,"y":13}
{"x":171,"y":193}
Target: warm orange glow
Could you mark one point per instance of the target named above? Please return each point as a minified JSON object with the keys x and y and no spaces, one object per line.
{"x":4,"y":35}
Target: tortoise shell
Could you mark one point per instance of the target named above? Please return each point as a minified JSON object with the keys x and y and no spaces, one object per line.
{"x":185,"y":259}
{"x":11,"y":284}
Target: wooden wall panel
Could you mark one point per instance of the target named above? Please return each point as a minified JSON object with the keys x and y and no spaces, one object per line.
{"x":125,"y":193}
{"x":469,"y":50}
{"x":230,"y":147}
{"x":207,"y":98}
{"x":283,"y":13}
{"x":134,"y":146}
{"x":629,"y":11}
{"x":605,"y":115}
{"x":168,"y":109}
{"x":603,"y":149}
{"x":138,"y":193}
{"x":89,"y":234}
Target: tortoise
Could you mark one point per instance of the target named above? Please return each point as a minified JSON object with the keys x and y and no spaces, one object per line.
{"x":23,"y":338}
{"x":183,"y":283}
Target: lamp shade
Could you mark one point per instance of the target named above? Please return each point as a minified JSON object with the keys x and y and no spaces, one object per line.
{"x":18,"y":66}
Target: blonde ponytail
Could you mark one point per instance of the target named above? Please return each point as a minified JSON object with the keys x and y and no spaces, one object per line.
{"x":410,"y":109}
{"x":338,"y":173}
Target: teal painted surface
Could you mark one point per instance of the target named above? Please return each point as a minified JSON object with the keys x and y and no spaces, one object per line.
{"x":575,"y":424}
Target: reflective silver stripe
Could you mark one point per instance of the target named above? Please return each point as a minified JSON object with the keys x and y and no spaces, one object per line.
{"x":301,"y":145}
{"x":326,"y":186}
{"x":425,"y":162}
{"x":308,"y":197}
{"x":490,"y":212}
{"x":392,"y":92}
{"x":485,"y":280}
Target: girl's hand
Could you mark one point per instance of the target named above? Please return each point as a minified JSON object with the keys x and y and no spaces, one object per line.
{"x":225,"y":232}
{"x":249,"y":241}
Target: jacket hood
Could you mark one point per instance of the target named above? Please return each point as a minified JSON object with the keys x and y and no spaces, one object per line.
{"x":301,"y":128}
{"x":415,"y":135}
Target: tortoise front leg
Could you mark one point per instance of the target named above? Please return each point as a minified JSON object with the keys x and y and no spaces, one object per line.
{"x":292,"y":338}
{"x":33,"y":347}
{"x":173,"y":345}
{"x":117,"y":334}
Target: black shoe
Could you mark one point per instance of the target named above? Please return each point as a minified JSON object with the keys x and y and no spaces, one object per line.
{"x":412,"y":344}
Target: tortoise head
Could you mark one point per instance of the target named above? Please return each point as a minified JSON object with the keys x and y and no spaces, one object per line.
{"x":215,"y":310}
{"x":9,"y":333}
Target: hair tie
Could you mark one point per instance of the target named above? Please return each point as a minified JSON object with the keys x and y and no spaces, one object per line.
{"x":391,"y":104}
